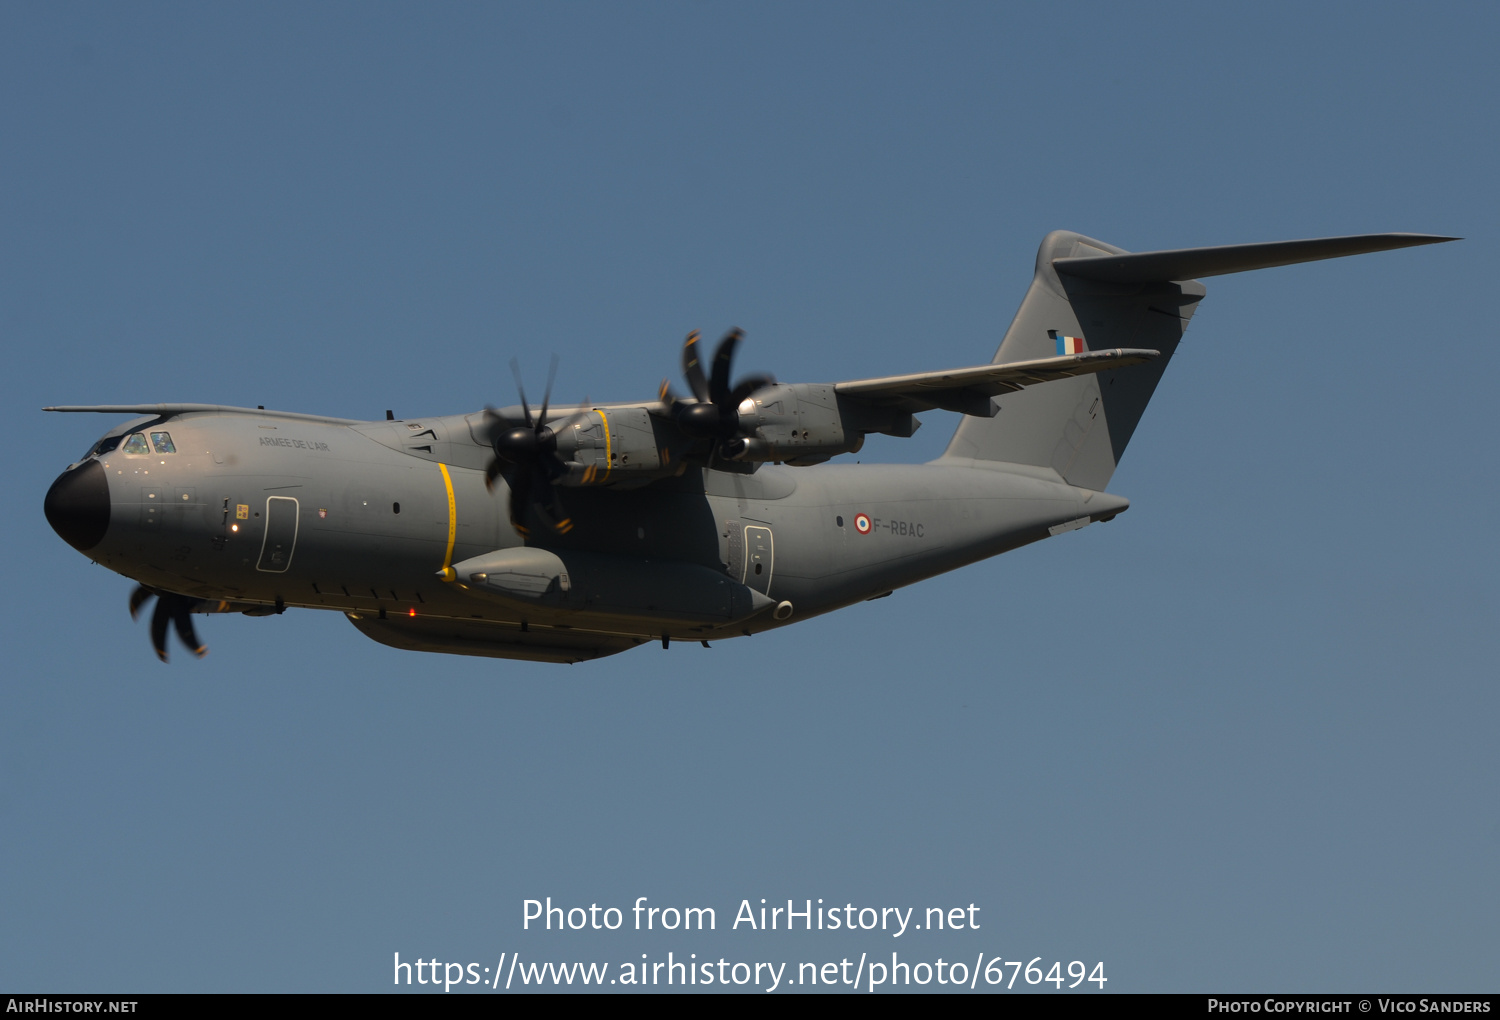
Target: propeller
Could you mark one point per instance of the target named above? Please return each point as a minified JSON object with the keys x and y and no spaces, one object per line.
{"x":526,"y":455}
{"x":715,"y":414}
{"x":171,"y":608}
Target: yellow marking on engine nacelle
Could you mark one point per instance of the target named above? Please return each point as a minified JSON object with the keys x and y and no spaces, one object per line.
{"x":609,"y":462}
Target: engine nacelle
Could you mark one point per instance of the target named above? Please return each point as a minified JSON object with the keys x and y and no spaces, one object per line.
{"x":620,"y":446}
{"x":807,"y":423}
{"x":798,"y":424}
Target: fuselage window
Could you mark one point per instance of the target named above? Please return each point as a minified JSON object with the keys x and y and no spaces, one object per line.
{"x":163,"y":441}
{"x":135,"y":444}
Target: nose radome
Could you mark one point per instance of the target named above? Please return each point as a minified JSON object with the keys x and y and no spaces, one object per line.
{"x":77,"y":505}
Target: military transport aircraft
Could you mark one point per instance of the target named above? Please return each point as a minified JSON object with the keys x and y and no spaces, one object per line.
{"x":567,"y":534}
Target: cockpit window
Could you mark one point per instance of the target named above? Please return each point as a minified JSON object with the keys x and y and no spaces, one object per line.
{"x":163,"y":442}
{"x":136,"y":444}
{"x":104,"y":446}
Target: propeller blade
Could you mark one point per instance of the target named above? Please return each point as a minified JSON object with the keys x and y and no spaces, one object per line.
{"x":527,"y":458}
{"x":550,"y":445}
{"x":520,"y":497}
{"x":515,"y":368}
{"x":577,"y":417}
{"x":549,"y":501}
{"x":495,"y":423}
{"x":750,"y":386}
{"x":693,"y":370}
{"x":718,"y":384}
{"x":541,"y":419}
{"x":172,"y":610}
{"x":552,"y":466}
{"x":182,"y":617}
{"x":138,"y":598}
{"x":159,"y":620}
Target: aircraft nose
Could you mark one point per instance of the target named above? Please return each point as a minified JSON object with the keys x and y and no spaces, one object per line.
{"x":77,"y":505}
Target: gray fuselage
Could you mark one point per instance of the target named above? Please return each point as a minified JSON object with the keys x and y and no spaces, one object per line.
{"x":260,"y":510}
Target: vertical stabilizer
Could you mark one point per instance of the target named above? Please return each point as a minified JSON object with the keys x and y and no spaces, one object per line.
{"x":1088,"y":295}
{"x":1079,"y":426}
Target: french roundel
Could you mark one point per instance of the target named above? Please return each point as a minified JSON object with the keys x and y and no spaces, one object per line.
{"x":862,"y":523}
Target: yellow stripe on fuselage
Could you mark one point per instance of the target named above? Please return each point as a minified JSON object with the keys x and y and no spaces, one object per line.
{"x":452,"y":523}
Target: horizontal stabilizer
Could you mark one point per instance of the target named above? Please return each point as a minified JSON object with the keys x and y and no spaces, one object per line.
{"x":967,"y":389}
{"x":1191,"y":263}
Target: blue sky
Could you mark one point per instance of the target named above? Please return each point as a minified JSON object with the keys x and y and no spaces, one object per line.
{"x":1240,"y":738}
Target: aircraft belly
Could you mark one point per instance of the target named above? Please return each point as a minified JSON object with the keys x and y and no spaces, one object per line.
{"x":465,"y":637}
{"x":609,"y":590}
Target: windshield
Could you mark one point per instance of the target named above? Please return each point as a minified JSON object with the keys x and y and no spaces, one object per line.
{"x":102,"y":447}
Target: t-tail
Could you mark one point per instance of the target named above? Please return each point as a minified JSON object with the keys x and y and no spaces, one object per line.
{"x":1089,"y":295}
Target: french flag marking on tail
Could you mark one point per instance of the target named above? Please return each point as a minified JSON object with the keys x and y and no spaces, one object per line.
{"x":1067,"y":344}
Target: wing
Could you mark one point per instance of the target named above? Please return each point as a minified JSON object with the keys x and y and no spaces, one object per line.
{"x":968,"y":390}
